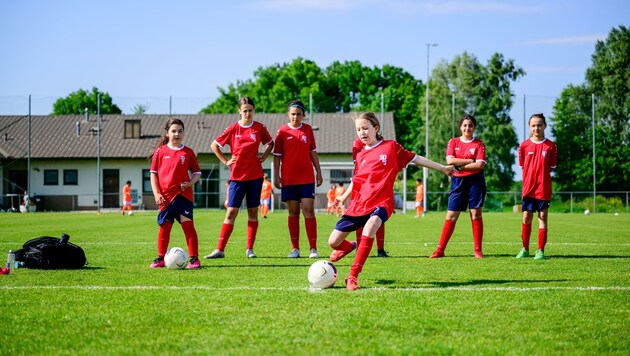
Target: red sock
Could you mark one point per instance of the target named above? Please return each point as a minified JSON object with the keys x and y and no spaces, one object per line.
{"x":164,"y":236}
{"x":311,"y":231}
{"x":294,"y":231}
{"x":359,"y":232}
{"x":252,"y":228}
{"x":380,"y":237}
{"x":345,"y":246}
{"x":477,"y":226}
{"x":542,"y":238}
{"x":362,"y":254}
{"x":191,"y":238}
{"x":447,"y":232}
{"x":526,"y":231}
{"x":224,"y":235}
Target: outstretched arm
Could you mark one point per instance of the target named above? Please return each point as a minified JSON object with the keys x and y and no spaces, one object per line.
{"x":425,"y":162}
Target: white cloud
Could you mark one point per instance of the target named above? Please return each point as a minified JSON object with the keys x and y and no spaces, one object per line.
{"x":586,"y":39}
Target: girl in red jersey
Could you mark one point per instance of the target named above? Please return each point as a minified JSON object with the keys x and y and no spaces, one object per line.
{"x":372,"y":189}
{"x":537,"y":156}
{"x":468,"y":185}
{"x":295,"y":156}
{"x":246,"y":174}
{"x":172,"y":188}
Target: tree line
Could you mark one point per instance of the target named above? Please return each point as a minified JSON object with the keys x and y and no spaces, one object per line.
{"x":482,"y":90}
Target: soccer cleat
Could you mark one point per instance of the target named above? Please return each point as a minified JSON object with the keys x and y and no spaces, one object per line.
{"x":313,"y":253}
{"x":295,"y":253}
{"x":437,"y":254}
{"x":478,"y":254}
{"x":194,"y":263}
{"x":352,"y":283}
{"x":216,"y":254}
{"x":336,"y":255}
{"x":540,"y":255}
{"x":382,"y":253}
{"x":158,"y":263}
{"x":523,"y":253}
{"x":250,"y":253}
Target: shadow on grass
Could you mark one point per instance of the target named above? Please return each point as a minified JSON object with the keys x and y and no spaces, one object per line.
{"x":474,"y":282}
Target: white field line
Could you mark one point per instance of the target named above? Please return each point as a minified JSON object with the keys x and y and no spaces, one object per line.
{"x":287,"y":289}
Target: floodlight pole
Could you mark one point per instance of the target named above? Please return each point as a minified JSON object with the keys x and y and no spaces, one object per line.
{"x":425,"y":170}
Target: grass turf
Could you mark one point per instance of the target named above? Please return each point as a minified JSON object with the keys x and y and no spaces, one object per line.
{"x":576,"y":301}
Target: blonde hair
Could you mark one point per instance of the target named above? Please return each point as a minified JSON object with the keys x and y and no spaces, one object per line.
{"x":371,"y":117}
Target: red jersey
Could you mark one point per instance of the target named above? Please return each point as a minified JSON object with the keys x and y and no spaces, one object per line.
{"x":375,"y":172}
{"x":244,"y":142}
{"x":295,"y":145}
{"x":458,"y":148}
{"x":537,"y":159}
{"x":357,"y":146}
{"x":172,"y":166}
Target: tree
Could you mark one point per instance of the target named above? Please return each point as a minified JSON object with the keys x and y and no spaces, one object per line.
{"x":140,"y":109}
{"x":482,"y":91}
{"x":608,"y":79}
{"x":78,"y":101}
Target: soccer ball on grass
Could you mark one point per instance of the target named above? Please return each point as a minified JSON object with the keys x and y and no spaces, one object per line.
{"x":322,"y":274}
{"x":130,"y":212}
{"x":176,"y":258}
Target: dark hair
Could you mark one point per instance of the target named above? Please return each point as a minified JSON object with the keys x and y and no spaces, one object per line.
{"x":371,"y":117}
{"x":163,"y":139}
{"x":246,"y":100}
{"x":540,"y":116}
{"x":297,"y":104}
{"x":128,"y":182}
{"x":467,"y":117}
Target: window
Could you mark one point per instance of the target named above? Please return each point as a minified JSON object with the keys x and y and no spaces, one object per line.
{"x":146,"y":182}
{"x":132,"y":128}
{"x":341,"y":175}
{"x":51,"y":177}
{"x":70,"y":177}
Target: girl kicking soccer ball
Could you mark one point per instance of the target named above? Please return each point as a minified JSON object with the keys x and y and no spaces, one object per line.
{"x":372,"y":190}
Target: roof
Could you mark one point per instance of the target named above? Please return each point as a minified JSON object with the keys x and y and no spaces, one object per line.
{"x":55,"y":136}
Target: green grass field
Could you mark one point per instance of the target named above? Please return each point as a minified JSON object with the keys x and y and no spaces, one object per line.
{"x":577,"y":301}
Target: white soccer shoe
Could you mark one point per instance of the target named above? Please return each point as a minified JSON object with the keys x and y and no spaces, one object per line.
{"x":295,"y":253}
{"x":250,"y":253}
{"x":313,"y":253}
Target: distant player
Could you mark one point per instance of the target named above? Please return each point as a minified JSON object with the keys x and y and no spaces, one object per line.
{"x":246,"y":174}
{"x":295,"y":157}
{"x":330,"y":209}
{"x":172,"y":186}
{"x":468,"y":185}
{"x":126,"y":197}
{"x":537,"y":156}
{"x":340,"y":209}
{"x":265,"y":196}
{"x":419,"y":198}
{"x":372,"y":192}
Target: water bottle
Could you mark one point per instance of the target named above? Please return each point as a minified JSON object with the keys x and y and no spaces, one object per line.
{"x":11,"y":260}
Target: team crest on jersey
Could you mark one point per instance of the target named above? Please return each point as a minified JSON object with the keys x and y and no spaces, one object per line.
{"x":472,"y":151}
{"x":182,"y":159}
{"x":544,"y":154}
{"x":303,"y":138}
{"x":253,"y":136}
{"x":383,"y":159}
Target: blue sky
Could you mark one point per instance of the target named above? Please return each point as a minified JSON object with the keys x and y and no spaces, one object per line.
{"x":142,"y":52}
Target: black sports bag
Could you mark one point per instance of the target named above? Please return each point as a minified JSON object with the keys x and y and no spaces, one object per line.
{"x":51,"y":253}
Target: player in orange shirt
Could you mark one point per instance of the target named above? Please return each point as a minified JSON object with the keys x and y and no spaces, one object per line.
{"x":339,"y":191}
{"x":265,"y":196}
{"x":419,"y":198}
{"x":331,"y":199}
{"x":127,"y":198}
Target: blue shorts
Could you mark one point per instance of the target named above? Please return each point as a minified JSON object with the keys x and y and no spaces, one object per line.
{"x":467,"y":192}
{"x":248,"y":189}
{"x":179,"y":206}
{"x":298,"y":192}
{"x":352,"y":223}
{"x":532,"y":204}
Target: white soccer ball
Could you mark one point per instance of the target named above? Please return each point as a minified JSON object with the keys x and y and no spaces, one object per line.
{"x":176,"y":258}
{"x":130,"y":212}
{"x":322,"y":274}
{"x":586,"y":212}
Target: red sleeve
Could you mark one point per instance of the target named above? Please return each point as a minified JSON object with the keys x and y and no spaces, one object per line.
{"x":554,"y":156}
{"x":313,"y":146}
{"x":403,"y":156}
{"x":450,"y":148}
{"x":194,"y":164}
{"x":265,"y":136}
{"x":278,"y":148}
{"x":520,"y":155}
{"x":357,"y":145}
{"x":481,"y":152}
{"x":224,"y":137}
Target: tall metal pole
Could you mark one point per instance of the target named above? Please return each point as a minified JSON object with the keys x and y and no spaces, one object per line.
{"x":524,"y":120}
{"x":453,"y":114}
{"x":383,"y":113}
{"x":594,"y":180}
{"x":28,"y":164}
{"x":98,"y":153}
{"x":425,"y":171}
